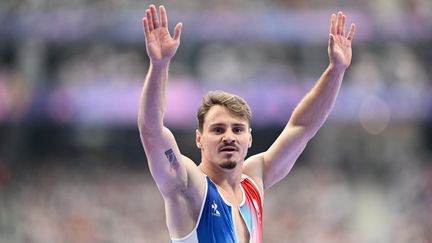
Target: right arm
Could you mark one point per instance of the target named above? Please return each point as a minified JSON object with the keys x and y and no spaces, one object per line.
{"x":163,"y":155}
{"x":167,"y":166}
{"x":177,"y":177}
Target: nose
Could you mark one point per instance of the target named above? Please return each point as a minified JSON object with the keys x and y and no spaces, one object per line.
{"x":228,"y":138}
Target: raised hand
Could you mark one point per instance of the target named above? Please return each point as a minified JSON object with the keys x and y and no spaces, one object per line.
{"x":339,"y":47}
{"x":161,"y":47}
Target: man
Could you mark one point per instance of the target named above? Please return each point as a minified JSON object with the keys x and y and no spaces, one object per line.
{"x":220,"y":200}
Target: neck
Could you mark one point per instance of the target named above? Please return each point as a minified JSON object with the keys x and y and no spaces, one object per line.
{"x":223,"y":177}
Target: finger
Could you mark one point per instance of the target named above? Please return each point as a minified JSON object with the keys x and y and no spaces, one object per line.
{"x":339,"y":23}
{"x":145,"y":27}
{"x":155,"y":16}
{"x":343,"y":24}
{"x":351,"y":32}
{"x":177,"y":31}
{"x":333,"y":24}
{"x":149,"y":20}
{"x":163,"y":16}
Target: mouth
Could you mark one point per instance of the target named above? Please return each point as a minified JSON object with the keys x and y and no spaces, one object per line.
{"x":228,"y":149}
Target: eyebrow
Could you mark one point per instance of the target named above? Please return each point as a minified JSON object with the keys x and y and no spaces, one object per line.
{"x":224,"y":125}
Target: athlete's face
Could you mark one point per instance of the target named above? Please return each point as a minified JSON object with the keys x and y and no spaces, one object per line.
{"x":225,"y":138}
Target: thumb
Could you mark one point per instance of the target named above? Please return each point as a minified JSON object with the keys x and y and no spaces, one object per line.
{"x":331,"y":41}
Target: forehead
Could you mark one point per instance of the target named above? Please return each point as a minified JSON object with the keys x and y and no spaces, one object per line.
{"x":221,"y":115}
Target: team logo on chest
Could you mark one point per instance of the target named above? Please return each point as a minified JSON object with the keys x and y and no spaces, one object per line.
{"x":215,"y":211}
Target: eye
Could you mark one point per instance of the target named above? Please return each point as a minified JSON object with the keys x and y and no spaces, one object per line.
{"x":218,"y":130}
{"x":238,"y":129}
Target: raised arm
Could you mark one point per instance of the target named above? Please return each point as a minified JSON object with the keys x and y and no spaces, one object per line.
{"x":309,"y":115}
{"x":165,"y":161}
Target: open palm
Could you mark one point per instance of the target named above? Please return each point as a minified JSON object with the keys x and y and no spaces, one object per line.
{"x":339,"y":48}
{"x":161,"y":47}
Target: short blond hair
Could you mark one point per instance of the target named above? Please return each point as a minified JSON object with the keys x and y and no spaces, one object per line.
{"x":235,"y":104}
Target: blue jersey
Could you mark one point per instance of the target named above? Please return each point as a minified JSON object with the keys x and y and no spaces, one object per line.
{"x":216,"y":222}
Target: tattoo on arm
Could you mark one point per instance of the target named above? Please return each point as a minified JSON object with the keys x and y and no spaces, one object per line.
{"x":174,"y":163}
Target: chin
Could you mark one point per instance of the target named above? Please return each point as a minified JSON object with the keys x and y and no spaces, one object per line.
{"x":228,"y":165}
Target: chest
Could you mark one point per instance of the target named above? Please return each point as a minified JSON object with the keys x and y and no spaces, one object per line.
{"x":237,"y":213}
{"x":225,"y":219}
{"x":240,"y":226}
{"x":229,"y":218}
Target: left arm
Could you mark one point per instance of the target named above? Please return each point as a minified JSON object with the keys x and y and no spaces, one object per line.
{"x":273,"y":165}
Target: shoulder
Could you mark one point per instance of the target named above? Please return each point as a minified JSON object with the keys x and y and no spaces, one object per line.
{"x":196,"y":181}
{"x":253,"y":169}
{"x":251,"y":187}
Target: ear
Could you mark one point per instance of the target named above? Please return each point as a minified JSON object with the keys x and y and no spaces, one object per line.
{"x":250,"y":138}
{"x":198,"y":138}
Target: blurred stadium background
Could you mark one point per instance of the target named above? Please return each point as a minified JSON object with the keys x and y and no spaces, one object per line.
{"x":71,"y":164}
